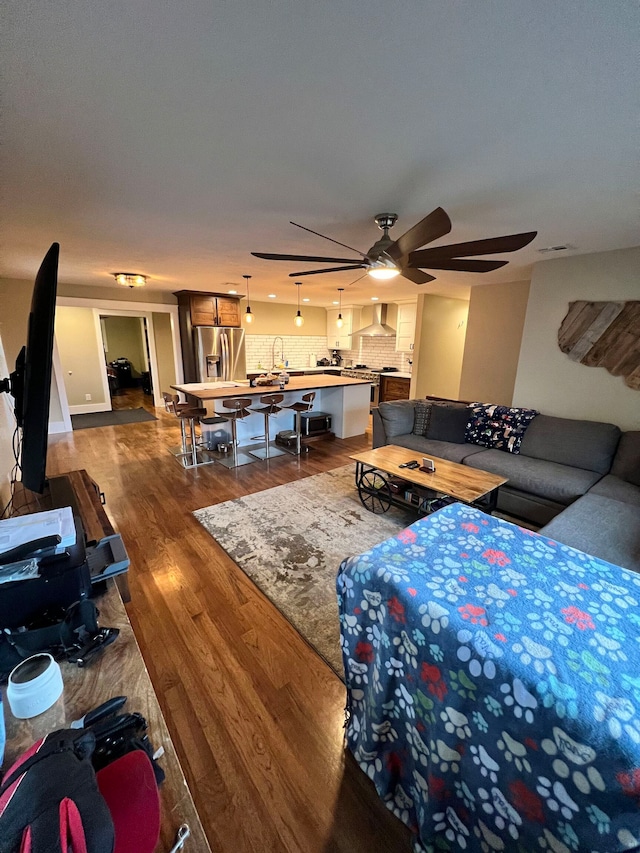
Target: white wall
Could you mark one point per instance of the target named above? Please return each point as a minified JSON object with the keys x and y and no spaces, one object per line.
{"x":441,"y":328}
{"x":546,"y":378}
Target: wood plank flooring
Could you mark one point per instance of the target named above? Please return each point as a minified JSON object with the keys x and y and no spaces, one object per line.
{"x":256,"y":715}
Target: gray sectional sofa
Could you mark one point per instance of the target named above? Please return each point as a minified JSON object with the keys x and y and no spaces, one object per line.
{"x":579,"y":481}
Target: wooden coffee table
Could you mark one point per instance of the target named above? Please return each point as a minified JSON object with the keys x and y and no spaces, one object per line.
{"x":378,"y":480}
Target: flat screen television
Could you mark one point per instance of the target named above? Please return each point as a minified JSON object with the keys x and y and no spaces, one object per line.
{"x":30,"y":382}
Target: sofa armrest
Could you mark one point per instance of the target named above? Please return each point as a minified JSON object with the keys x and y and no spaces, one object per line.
{"x":379,"y":434}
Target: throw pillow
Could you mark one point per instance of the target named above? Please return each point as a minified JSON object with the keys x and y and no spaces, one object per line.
{"x":421,"y":417}
{"x":448,"y":423}
{"x":499,"y":427}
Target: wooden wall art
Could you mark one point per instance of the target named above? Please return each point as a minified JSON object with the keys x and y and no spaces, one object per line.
{"x":604,"y":334}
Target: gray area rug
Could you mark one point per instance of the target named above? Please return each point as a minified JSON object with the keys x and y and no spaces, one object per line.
{"x":290,"y":540}
{"x":118,"y":416}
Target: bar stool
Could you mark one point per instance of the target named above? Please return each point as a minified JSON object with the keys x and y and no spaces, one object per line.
{"x":270,"y":408}
{"x":190,"y":456}
{"x":238,"y":410}
{"x":300,"y":406}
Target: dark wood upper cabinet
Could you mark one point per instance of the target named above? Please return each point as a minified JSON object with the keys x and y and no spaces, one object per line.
{"x":210,"y":309}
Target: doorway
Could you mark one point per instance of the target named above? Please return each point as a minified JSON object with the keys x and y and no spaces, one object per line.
{"x":125,"y":342}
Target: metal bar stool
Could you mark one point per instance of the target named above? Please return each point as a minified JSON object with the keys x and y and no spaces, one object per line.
{"x":173,"y":405}
{"x":270,"y":408}
{"x":190,"y":456}
{"x":300,"y":406}
{"x":238,"y":410}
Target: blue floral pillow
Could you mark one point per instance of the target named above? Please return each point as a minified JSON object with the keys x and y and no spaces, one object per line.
{"x":499,"y":427}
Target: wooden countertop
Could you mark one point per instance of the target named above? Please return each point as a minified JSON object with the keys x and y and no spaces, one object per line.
{"x":296,"y":383}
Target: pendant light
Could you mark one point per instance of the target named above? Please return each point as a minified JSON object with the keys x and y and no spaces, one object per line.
{"x":298,"y":319}
{"x":340,"y":321}
{"x":248,"y":317}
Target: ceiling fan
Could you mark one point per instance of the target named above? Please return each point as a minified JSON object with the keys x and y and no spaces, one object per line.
{"x":388,"y":258}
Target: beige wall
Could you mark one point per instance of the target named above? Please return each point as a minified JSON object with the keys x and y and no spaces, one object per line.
{"x":15,"y":302}
{"x":164,"y":352}
{"x":124,"y":340}
{"x":440,"y":333}
{"x":81,"y":355}
{"x":272,"y":319}
{"x":492,"y":343}
{"x":547,"y":379}
{"x":118,"y":294}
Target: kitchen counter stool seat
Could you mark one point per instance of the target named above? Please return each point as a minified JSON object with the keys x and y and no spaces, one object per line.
{"x":190,"y":456}
{"x":300,"y":406}
{"x":269,"y":408}
{"x":237,"y":409}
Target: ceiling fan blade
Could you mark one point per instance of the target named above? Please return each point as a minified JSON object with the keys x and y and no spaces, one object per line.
{"x":313,"y":258}
{"x":465,"y":266}
{"x":509,"y":243}
{"x":416,"y":276}
{"x":433,"y":226}
{"x":332,"y":269}
{"x":324,"y":237}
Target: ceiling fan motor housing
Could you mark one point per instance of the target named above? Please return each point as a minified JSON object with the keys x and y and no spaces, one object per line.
{"x":386,"y":220}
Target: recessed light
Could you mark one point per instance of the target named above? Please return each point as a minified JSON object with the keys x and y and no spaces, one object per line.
{"x":375,"y":298}
{"x":232,"y":291}
{"x":306,"y":299}
{"x":335,"y":302}
{"x":561,"y":248}
{"x":272,"y":296}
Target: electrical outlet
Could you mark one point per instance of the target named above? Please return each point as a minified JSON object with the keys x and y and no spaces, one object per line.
{"x":87,"y":397}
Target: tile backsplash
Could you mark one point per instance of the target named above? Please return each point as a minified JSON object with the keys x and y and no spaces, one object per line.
{"x":377,"y":352}
{"x":298,"y":350}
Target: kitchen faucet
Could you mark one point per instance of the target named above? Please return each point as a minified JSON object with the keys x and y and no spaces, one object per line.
{"x":273,"y":351}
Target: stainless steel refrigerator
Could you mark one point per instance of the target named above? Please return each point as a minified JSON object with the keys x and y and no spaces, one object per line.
{"x":220,"y":353}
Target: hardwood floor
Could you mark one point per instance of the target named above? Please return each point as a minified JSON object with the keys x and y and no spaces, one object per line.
{"x":256,"y":715}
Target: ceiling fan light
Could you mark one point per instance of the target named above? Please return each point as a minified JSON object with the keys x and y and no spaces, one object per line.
{"x":383,"y":273}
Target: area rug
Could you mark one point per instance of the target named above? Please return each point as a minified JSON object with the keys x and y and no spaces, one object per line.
{"x":290,"y":540}
{"x":114,"y":418}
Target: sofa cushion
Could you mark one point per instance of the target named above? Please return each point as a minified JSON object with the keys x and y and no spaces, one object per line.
{"x":397,"y":417}
{"x":537,"y":476}
{"x":500,"y":427}
{"x":448,"y":423}
{"x":626,"y":463}
{"x":619,"y":490}
{"x":421,"y":417}
{"x":601,"y":526}
{"x":442,"y":449}
{"x":589,"y":445}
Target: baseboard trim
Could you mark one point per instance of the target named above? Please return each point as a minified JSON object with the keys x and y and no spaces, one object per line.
{"x":56,"y":427}
{"x":89,"y":408}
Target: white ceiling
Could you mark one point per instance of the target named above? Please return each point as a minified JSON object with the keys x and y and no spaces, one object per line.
{"x":173,"y":139}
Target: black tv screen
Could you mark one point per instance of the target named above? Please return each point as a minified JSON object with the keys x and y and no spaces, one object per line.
{"x":31,"y":382}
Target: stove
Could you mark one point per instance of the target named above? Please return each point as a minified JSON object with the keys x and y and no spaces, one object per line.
{"x":361,"y":372}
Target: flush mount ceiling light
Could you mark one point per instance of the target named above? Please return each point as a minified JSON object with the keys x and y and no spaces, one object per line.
{"x":130,"y":279}
{"x":248,"y":317}
{"x":298,"y":319}
{"x":340,"y":321}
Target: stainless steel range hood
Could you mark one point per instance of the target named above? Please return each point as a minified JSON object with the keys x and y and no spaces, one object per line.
{"x":379,"y":327}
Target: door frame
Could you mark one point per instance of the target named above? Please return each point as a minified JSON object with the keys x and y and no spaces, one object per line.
{"x":143,"y":310}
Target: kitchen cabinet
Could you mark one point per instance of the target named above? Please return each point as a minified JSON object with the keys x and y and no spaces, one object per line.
{"x":406,"y":326}
{"x":210,"y":309}
{"x":341,"y":338}
{"x":394,"y":388}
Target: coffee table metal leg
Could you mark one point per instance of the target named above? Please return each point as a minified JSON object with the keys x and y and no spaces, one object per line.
{"x":373,"y":489}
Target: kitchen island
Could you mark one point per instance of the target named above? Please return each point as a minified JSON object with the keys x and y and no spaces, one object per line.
{"x":346,"y":400}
